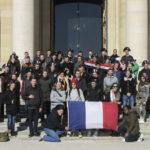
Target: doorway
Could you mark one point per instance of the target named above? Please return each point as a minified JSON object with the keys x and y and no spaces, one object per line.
{"x":78,"y":25}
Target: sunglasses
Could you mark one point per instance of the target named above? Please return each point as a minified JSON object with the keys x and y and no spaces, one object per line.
{"x":115,"y":86}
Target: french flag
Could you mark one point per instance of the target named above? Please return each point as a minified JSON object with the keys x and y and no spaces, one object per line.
{"x":92,"y":115}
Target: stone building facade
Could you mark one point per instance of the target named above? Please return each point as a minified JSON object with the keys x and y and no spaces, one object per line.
{"x":26,"y":25}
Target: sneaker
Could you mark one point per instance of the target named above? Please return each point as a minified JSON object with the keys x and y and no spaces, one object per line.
{"x":80,"y":135}
{"x":95,"y":134}
{"x":40,"y":140}
{"x":89,"y":134}
{"x":123,"y":140}
{"x":141,"y":121}
{"x":141,"y":138}
{"x":68,"y":134}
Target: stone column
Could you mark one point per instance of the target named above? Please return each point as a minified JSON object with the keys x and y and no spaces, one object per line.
{"x":149,"y":29}
{"x":46,"y":19}
{"x":137,"y":28}
{"x":23,"y":27}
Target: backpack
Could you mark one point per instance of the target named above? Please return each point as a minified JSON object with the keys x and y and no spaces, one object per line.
{"x":4,"y":137}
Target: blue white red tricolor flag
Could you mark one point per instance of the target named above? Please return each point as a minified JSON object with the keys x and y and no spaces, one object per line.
{"x":92,"y":115}
{"x":102,"y":66}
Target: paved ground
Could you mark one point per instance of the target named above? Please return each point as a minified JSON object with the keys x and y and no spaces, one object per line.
{"x":22,"y":142}
{"x":75,"y":144}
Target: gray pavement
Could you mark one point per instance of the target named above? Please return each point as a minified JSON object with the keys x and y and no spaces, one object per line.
{"x":75,"y":144}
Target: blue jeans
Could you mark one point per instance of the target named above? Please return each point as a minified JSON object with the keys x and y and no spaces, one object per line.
{"x":52,"y":136}
{"x":128,"y":100}
{"x":11,"y":122}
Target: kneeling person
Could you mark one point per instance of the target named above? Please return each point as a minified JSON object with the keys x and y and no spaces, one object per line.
{"x":54,"y":126}
{"x":129,"y":127}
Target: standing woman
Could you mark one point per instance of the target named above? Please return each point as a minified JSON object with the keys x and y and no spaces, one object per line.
{"x":128,"y":89}
{"x":57,"y":96}
{"x":75,"y":94}
{"x":10,"y":99}
{"x":17,"y":89}
{"x":142,"y":97}
{"x":114,"y":95}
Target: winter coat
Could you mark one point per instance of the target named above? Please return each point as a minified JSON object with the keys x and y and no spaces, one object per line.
{"x":25,"y":68}
{"x":57,"y":97}
{"x":146,"y":73}
{"x":46,"y":86}
{"x":25,"y":85}
{"x":94,"y":94}
{"x":6,"y":78}
{"x":11,"y":101}
{"x":127,"y":59}
{"x":135,"y":69}
{"x":108,"y":81}
{"x":14,"y":68}
{"x":113,"y":97}
{"x":113,"y":58}
{"x":143,"y":92}
{"x":81,"y":84}
{"x":54,"y":121}
{"x":75,"y":95}
{"x":118,"y":74}
{"x":128,"y":85}
{"x":131,"y":122}
{"x":35,"y":102}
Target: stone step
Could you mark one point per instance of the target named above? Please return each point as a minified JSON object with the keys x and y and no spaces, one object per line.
{"x":100,"y":138}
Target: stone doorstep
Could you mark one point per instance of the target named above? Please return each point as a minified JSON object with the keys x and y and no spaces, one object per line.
{"x":105,"y":138}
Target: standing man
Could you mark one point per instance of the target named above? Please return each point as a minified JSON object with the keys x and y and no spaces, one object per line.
{"x":127,"y":58}
{"x":46,"y":85}
{"x":33,"y":97}
{"x":1,"y":100}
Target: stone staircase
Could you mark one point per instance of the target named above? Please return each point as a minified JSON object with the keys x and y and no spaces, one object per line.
{"x":23,"y":131}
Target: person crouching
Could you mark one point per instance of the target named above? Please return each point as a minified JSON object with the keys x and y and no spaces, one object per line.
{"x":129,"y":127}
{"x":54,"y":126}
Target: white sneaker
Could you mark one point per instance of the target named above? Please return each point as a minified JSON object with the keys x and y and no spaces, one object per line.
{"x":80,"y":135}
{"x":141,"y":121}
{"x":68,"y":134}
{"x":123,"y":140}
{"x":141,"y":138}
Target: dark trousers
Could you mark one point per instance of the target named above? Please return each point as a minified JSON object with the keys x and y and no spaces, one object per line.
{"x":130,"y":138}
{"x":1,"y":108}
{"x":46,"y":109}
{"x":33,"y":120}
{"x":1,"y":112}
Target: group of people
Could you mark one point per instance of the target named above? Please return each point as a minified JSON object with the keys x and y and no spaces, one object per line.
{"x":47,"y":82}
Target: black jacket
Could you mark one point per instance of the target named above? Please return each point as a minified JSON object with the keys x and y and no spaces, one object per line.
{"x":94,"y":94}
{"x":82,"y":84}
{"x":127,"y":59}
{"x":54,"y":121}
{"x":36,"y":102}
{"x":10,"y":99}
{"x":144,"y":72}
{"x":128,"y":86}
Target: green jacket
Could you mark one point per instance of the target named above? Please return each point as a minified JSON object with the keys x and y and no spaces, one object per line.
{"x":135,"y":69}
{"x":130,"y":121}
